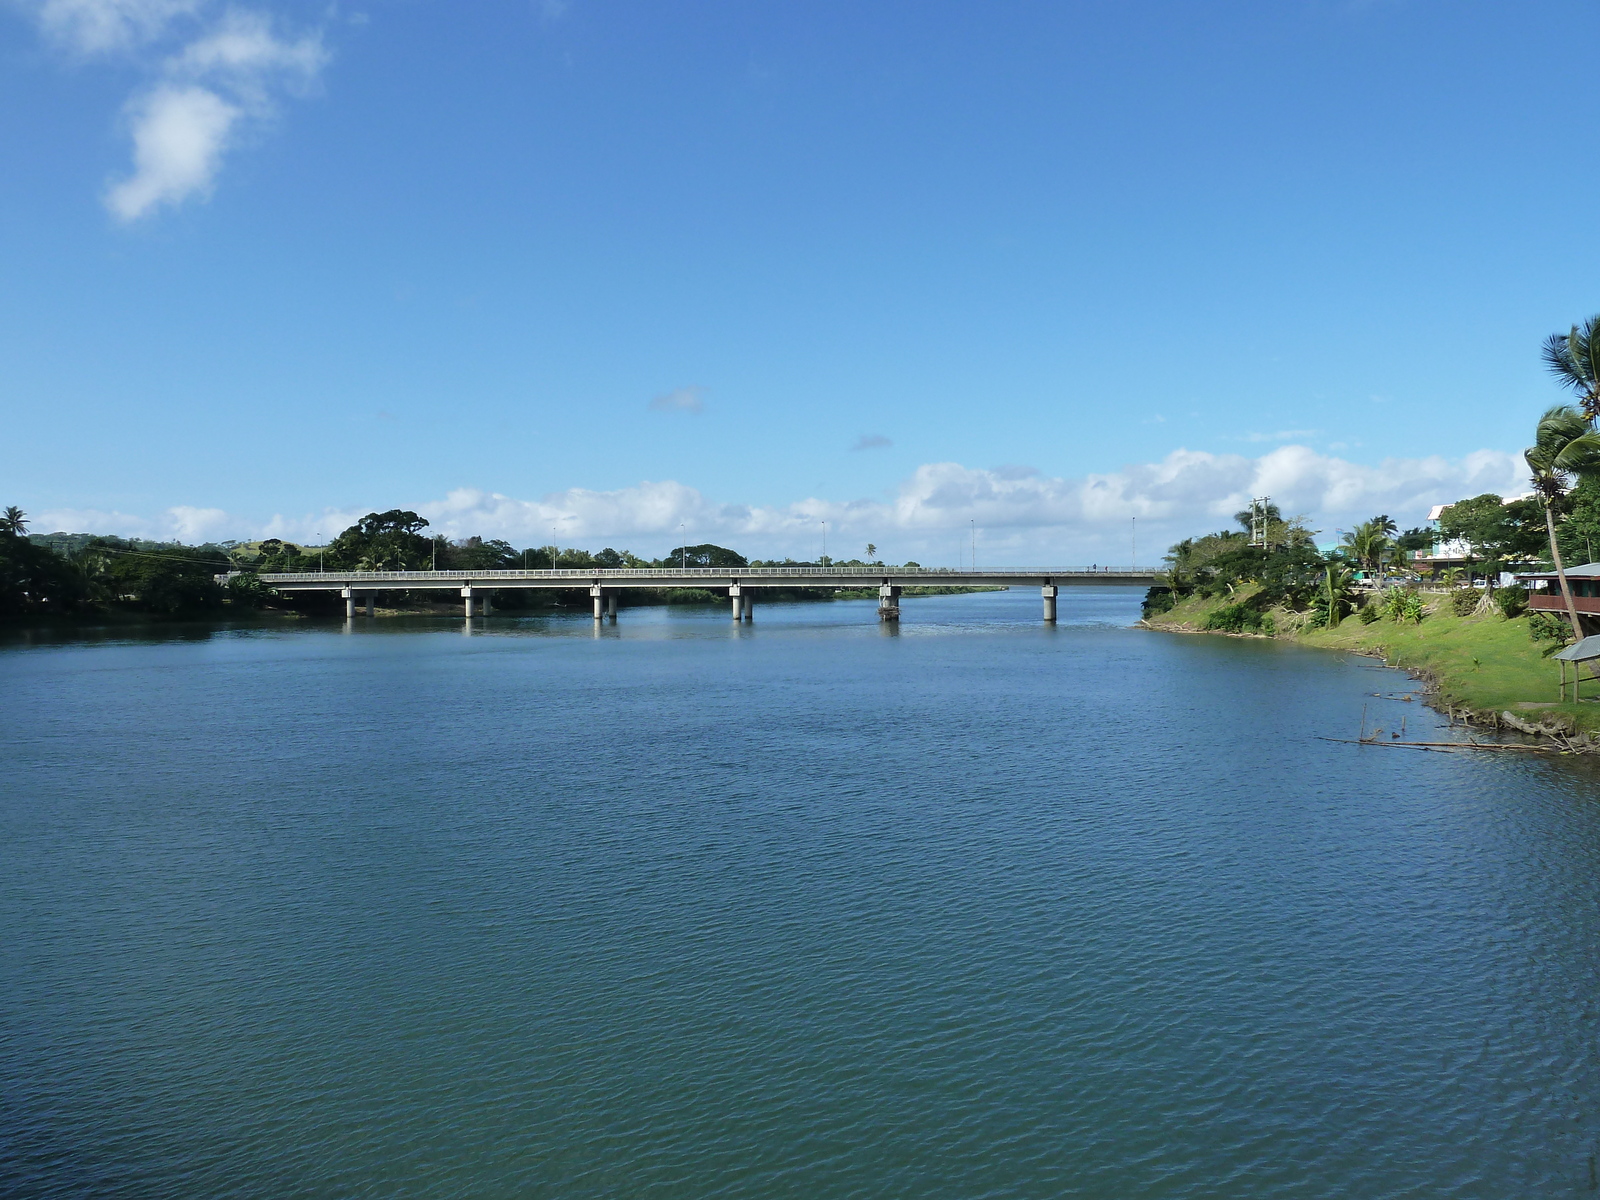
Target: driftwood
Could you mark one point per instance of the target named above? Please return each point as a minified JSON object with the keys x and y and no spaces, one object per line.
{"x":1437,"y":745}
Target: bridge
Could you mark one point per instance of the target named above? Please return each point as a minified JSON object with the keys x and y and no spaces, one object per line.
{"x":476,"y":588}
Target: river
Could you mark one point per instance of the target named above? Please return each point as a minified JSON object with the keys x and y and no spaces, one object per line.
{"x":809,"y":908}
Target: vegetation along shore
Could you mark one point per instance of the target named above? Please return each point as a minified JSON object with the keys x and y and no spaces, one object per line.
{"x":86,"y":578}
{"x":1431,"y":599}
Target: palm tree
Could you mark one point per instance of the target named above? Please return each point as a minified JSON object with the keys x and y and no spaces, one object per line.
{"x":1335,"y":592}
{"x":1367,"y":541}
{"x":1564,"y":447}
{"x":14,"y":521}
{"x":1575,"y":361}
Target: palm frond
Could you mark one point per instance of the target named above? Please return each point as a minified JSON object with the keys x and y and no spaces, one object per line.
{"x":1586,"y":350}
{"x":1580,"y":456}
{"x":1559,"y":425}
{"x":1557,"y":355}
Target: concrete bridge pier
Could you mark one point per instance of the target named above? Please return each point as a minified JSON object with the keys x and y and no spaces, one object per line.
{"x":888,"y":603}
{"x":598,"y":595}
{"x":468,"y":594}
{"x":1048,"y":591}
{"x":736,"y":597}
{"x":750,"y":605}
{"x":611,"y":605}
{"x":372,"y":604}
{"x":349,"y":595}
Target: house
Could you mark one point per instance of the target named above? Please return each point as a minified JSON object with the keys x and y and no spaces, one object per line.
{"x":1544,"y":592}
{"x":1456,"y":552}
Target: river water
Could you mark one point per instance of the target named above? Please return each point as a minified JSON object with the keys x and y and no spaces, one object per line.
{"x":975,"y":908}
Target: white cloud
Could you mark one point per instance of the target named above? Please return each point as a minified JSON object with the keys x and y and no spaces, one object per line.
{"x":182,"y":127}
{"x":185,"y":523}
{"x":106,"y":26}
{"x":243,"y":50}
{"x":1023,"y":516}
{"x":179,"y":134}
{"x":198,"y":524}
{"x":684,"y":399}
{"x":212,"y":78}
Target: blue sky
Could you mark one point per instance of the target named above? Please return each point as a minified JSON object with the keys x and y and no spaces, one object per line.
{"x":616,"y":268}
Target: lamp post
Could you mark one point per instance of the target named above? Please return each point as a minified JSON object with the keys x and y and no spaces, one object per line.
{"x":683,"y":548}
{"x":973,"y":524}
{"x":1135,"y":536}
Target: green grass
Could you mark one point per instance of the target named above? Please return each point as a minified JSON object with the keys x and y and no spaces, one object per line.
{"x":1484,"y":663}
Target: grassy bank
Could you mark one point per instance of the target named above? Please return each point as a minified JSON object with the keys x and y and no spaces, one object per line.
{"x":1483,"y":667}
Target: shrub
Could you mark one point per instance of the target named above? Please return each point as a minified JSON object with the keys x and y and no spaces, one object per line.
{"x":1368,"y":613}
{"x":1237,"y":618}
{"x":1463,"y":601}
{"x":1513,"y":601}
{"x":1158,"y":600}
{"x":1549,"y":627}
{"x":247,"y":591}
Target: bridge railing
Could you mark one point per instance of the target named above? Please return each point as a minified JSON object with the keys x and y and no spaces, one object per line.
{"x":584,"y":574}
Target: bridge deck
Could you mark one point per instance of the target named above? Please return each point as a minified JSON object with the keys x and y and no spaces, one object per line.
{"x":707,"y":577}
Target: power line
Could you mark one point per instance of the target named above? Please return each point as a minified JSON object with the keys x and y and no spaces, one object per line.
{"x":199,"y":562}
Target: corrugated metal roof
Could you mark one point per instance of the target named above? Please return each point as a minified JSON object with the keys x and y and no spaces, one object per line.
{"x":1582,"y":651}
{"x":1587,"y":571}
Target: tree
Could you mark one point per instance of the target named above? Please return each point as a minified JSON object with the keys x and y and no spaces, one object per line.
{"x":1579,"y":533}
{"x":171,"y":579}
{"x":14,"y":521}
{"x":872,"y":552}
{"x":1574,"y":359}
{"x":34,"y":579}
{"x":704,"y":555}
{"x":475,"y":554}
{"x":1367,"y":542}
{"x":1498,"y":532}
{"x":1564,"y":448}
{"x":1417,"y":538}
{"x":1334,"y":593}
{"x":389,"y":541}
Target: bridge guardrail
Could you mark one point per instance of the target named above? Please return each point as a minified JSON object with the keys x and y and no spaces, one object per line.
{"x":586,"y":574}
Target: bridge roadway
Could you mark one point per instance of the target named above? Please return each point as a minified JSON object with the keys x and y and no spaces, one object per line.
{"x":476,"y":587}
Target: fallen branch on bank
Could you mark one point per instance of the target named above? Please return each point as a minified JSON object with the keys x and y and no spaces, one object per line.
{"x":1438,"y":745}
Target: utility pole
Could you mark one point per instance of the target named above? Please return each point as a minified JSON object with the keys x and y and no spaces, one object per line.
{"x":1135,"y":536}
{"x":1258,"y":521}
{"x":824,"y":540}
{"x":974,"y":526}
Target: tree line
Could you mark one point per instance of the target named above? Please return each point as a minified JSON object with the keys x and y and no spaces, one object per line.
{"x":78,"y":573}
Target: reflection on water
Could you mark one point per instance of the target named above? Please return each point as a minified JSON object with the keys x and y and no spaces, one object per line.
{"x":815,"y":906}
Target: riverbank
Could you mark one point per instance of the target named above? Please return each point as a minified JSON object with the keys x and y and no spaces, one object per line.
{"x":1483,"y":669}
{"x":510,"y":602}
